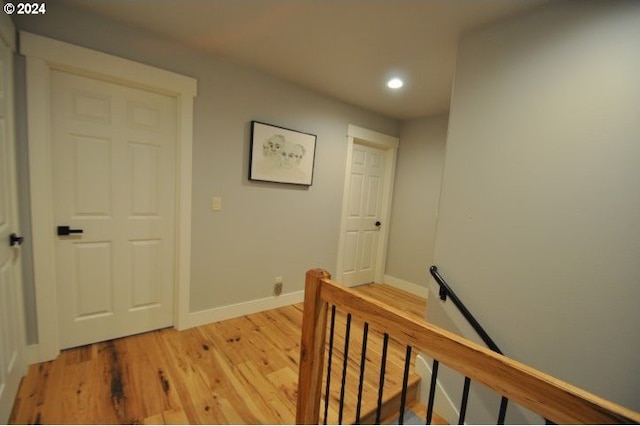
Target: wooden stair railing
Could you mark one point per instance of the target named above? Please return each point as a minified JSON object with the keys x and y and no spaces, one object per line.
{"x":553,"y":399}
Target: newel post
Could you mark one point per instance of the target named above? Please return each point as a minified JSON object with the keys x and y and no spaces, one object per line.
{"x":314,"y":328}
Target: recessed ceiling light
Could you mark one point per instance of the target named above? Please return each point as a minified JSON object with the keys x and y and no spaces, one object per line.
{"x":395,"y":83}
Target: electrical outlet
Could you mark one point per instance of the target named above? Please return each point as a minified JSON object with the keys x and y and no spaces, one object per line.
{"x":277,"y":288}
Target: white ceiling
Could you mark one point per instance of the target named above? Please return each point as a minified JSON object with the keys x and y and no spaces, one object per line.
{"x":346,"y":49}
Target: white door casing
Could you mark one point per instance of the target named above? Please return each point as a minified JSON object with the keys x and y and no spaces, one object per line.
{"x":44,"y":56}
{"x":113,"y":160}
{"x":12,"y":331}
{"x":368,"y":186}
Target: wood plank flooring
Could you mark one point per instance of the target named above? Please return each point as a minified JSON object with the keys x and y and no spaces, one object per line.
{"x":239,"y":371}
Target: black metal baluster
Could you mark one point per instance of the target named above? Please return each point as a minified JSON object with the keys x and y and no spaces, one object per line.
{"x":465,"y":398}
{"x":432,"y":390}
{"x":503,"y":410}
{"x":326,"y":392}
{"x":383,"y":365}
{"x":405,"y":381}
{"x":344,"y":367}
{"x":363,"y":360}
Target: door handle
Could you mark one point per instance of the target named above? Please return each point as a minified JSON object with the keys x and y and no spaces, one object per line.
{"x":65,"y":230}
{"x":14,"y":240}
{"x":378,"y":223}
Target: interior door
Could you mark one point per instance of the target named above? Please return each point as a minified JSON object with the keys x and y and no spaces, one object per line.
{"x":12,"y":344}
{"x":114,"y":191}
{"x":364,"y":214}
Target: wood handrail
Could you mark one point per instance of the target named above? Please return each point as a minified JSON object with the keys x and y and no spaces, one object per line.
{"x":551,"y":398}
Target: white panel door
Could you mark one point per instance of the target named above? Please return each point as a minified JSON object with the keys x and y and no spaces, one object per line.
{"x":114,"y":167}
{"x":363,"y":216}
{"x":12,"y":339}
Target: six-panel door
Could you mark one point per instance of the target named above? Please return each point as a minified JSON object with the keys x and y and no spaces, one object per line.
{"x":114,"y":180}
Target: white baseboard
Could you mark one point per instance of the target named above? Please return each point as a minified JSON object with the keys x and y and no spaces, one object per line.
{"x":194,"y":319}
{"x":32,"y":354}
{"x":407,"y":286}
{"x":208,"y":316}
{"x":442,"y":404}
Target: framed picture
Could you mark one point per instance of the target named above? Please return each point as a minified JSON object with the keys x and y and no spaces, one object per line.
{"x":281,"y":155}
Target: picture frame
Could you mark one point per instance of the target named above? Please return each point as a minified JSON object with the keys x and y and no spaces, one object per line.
{"x":281,"y":155}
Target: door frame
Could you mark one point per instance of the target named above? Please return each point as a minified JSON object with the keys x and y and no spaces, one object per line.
{"x":8,"y":39}
{"x":361,"y":136}
{"x":42,"y":56}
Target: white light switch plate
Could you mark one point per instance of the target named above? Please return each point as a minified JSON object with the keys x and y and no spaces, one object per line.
{"x":216,"y":204}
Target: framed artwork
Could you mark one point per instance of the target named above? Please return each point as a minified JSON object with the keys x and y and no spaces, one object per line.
{"x":281,"y":155}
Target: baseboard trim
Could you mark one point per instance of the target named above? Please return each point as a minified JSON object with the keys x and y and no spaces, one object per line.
{"x":401,"y":284}
{"x":32,"y":354}
{"x":442,"y":403}
{"x":208,"y":316}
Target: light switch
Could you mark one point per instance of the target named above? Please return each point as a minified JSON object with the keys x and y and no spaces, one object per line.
{"x":216,"y":205}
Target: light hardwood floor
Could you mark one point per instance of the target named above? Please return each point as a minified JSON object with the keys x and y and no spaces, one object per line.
{"x":239,"y":371}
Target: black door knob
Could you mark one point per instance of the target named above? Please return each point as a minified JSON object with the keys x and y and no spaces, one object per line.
{"x":65,"y":230}
{"x":378,"y":223}
{"x":14,"y":240}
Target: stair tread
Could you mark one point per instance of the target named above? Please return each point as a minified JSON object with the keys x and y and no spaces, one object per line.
{"x":394,"y":371}
{"x":421,"y":411}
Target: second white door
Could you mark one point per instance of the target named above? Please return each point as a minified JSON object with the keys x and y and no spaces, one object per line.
{"x":114,"y":189}
{"x":12,"y":334}
{"x":364,"y":214}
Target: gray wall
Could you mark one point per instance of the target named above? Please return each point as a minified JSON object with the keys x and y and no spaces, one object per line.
{"x":539,"y":222}
{"x":264,"y":230}
{"x":415,"y":198}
